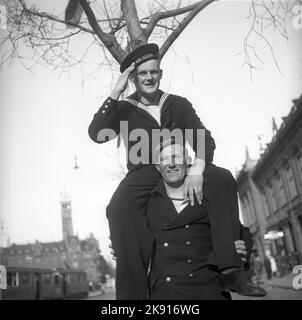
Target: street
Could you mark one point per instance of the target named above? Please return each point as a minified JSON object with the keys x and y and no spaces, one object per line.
{"x":274,"y":293}
{"x":107,"y":296}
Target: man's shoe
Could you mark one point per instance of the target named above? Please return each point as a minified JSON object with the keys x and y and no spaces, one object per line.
{"x":238,"y":281}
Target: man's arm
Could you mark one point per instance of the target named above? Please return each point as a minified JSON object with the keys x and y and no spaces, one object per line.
{"x":192,"y":121}
{"x":105,"y":125}
{"x":203,"y":144}
{"x":105,"y":119}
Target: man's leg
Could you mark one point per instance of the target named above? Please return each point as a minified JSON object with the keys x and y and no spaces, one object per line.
{"x":221,"y":193}
{"x":220,"y":189}
{"x":131,"y":239}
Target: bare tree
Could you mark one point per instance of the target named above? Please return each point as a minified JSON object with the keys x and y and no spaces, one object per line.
{"x":265,"y":15}
{"x":117,"y":27}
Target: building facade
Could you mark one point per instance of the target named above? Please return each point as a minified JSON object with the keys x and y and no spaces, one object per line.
{"x":70,"y":253}
{"x":252,"y":205}
{"x":271,"y":192}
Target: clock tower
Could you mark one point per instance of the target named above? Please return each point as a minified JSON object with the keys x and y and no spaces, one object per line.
{"x":65,"y":202}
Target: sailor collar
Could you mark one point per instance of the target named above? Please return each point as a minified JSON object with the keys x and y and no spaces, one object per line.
{"x":133,"y":99}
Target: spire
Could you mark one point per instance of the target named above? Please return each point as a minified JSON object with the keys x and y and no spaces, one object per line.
{"x":260,"y":136}
{"x":247,"y":154}
{"x":275,"y":128}
{"x":249,"y":163}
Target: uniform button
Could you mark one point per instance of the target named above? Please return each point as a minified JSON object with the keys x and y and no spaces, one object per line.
{"x":166,"y":244}
{"x":103,"y":111}
{"x":188,"y":243}
{"x":187,"y":226}
{"x":189,"y":261}
{"x":168,"y":279}
{"x":191,"y":275}
{"x":106,"y":106}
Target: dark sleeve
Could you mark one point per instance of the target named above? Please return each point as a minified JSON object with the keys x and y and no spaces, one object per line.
{"x":246,"y":236}
{"x":105,"y":123}
{"x":192,"y":121}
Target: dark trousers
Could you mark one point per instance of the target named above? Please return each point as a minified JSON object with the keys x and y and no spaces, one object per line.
{"x":132,"y":240}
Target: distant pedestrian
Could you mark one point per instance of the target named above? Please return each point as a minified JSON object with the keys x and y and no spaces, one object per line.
{"x":258,"y":265}
{"x":273,"y":265}
{"x":293,"y":259}
{"x":278,"y":259}
{"x":268,"y":268}
{"x":284,"y":262}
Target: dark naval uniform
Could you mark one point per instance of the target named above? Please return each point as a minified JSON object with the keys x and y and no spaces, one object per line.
{"x":183,"y":264}
{"x":180,"y":268}
{"x":130,"y":237}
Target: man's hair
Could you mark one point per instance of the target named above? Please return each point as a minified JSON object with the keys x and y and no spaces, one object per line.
{"x":164,"y":143}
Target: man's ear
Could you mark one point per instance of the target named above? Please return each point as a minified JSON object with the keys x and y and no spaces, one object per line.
{"x":160,"y":73}
{"x":132,"y":76}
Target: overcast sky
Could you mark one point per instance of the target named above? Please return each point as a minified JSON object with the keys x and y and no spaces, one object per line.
{"x":44,"y":120}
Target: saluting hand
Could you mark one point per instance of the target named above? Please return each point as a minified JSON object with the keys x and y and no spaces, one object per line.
{"x":121,"y":83}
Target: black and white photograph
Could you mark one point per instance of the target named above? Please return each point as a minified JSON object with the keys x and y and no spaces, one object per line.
{"x":151,"y":150}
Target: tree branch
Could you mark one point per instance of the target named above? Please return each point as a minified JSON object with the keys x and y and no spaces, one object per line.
{"x":174,"y":35}
{"x":136,"y":33}
{"x":167,"y":14}
{"x":108,"y":39}
{"x":53,"y":18}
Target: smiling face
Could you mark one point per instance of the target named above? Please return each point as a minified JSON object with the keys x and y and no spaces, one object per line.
{"x":173,"y":164}
{"x":147,"y":78}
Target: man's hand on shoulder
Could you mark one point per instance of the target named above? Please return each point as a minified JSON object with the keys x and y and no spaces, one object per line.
{"x":121,"y":83}
{"x":194,"y":181}
{"x":193,"y":185}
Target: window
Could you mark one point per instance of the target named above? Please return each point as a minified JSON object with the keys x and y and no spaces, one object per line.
{"x":265,"y":204}
{"x":46,"y":278}
{"x":300,"y":167}
{"x":24,"y":278}
{"x":56,"y":279}
{"x":251,"y":207}
{"x":291,"y":182}
{"x":281,"y":191}
{"x":272,"y":198}
{"x":67,"y":278}
{"x":12,"y":279}
{"x":246,"y":210}
{"x":72,"y":278}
